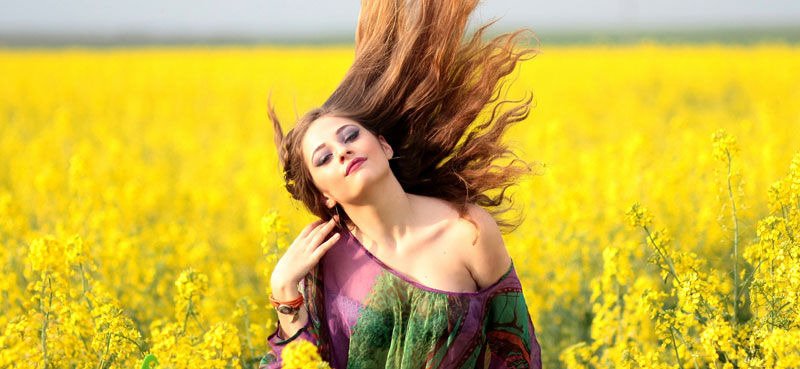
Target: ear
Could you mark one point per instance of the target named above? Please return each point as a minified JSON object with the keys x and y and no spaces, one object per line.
{"x":386,"y":148}
{"x":327,"y":199}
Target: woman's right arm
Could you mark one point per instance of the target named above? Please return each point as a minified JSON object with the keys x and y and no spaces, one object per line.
{"x":286,"y":327}
{"x":298,"y":260}
{"x":286,"y":331}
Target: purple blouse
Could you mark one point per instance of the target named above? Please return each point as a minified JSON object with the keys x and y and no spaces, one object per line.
{"x":364,"y":314}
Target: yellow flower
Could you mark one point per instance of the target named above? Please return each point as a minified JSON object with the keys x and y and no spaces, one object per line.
{"x":222,"y":342}
{"x":147,"y":202}
{"x":661,"y":238}
{"x":191,"y":284}
{"x":47,"y":254}
{"x":76,"y":251}
{"x":273,"y":222}
{"x":724,"y":145}
{"x":771,"y":229}
{"x":115,"y":334}
{"x":779,"y":196}
{"x":794,"y":175}
{"x":301,"y":354}
{"x":638,"y":216}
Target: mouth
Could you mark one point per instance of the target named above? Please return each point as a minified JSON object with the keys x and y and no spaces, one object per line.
{"x":354,"y":164}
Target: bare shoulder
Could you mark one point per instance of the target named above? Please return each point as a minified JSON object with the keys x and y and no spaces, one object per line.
{"x":487,"y":260}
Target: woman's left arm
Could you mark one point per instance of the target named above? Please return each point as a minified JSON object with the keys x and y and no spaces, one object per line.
{"x":510,"y":338}
{"x":487,"y":260}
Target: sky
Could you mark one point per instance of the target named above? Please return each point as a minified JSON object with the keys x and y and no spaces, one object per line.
{"x":312,"y":18}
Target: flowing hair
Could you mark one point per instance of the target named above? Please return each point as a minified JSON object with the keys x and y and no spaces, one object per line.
{"x":415,"y":81}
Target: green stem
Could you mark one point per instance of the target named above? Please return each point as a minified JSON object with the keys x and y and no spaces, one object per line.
{"x":621,"y":305}
{"x":102,"y":364}
{"x":46,"y":316}
{"x":789,"y":231}
{"x":188,"y":312}
{"x":196,"y":319}
{"x":747,"y":282}
{"x":86,"y":288}
{"x":675,"y":346}
{"x":694,"y":357}
{"x":772,"y":279}
{"x":247,"y":328}
{"x":735,"y":250}
{"x":663,"y":255}
{"x":139,"y":347}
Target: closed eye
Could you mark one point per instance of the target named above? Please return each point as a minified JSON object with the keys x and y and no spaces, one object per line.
{"x":347,"y":139}
{"x":323,"y":160}
{"x":351,"y":137}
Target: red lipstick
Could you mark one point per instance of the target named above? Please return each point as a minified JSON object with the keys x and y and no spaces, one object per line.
{"x":355,"y":163}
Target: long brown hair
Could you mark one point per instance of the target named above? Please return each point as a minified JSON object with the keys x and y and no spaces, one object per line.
{"x":416,"y":82}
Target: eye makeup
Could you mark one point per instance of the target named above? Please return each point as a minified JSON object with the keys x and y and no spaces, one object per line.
{"x":347,"y":133}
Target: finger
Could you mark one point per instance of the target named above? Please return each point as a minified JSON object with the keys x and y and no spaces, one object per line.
{"x":323,"y":231}
{"x":314,"y":227}
{"x":325,"y":246}
{"x":310,"y":227}
{"x":317,"y":231}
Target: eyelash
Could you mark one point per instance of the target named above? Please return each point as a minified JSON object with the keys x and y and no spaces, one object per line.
{"x":347,"y":139}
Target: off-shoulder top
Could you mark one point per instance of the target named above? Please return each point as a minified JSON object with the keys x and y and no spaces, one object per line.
{"x":364,"y":314}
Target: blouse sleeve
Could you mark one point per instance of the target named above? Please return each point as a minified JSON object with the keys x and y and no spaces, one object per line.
{"x":311,"y":287}
{"x":511,"y":339}
{"x":272,"y":359}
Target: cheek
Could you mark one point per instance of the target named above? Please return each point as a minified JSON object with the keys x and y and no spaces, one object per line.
{"x":373,"y":146}
{"x":325,"y":178}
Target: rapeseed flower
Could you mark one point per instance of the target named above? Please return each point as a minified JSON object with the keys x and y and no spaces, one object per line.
{"x":794,"y":178}
{"x":222,"y":344}
{"x":638,"y":216}
{"x":273,"y":223}
{"x":724,"y":145}
{"x":191,"y":284}
{"x":130,"y":183}
{"x":301,"y":354}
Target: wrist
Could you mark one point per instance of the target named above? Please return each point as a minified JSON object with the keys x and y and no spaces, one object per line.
{"x":285,"y":291}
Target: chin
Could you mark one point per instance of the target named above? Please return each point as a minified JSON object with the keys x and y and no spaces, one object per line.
{"x":365,"y":179}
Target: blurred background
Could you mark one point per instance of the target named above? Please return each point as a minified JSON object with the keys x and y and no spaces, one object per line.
{"x":139,"y":183}
{"x":57,"y":22}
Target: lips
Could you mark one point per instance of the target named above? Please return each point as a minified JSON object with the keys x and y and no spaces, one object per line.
{"x":353,"y":164}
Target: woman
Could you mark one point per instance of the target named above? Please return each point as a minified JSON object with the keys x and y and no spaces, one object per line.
{"x":406,"y":268}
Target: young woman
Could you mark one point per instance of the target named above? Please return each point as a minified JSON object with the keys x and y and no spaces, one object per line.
{"x":406,"y":267}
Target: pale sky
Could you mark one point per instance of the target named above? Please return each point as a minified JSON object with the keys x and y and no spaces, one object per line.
{"x":310,"y":18}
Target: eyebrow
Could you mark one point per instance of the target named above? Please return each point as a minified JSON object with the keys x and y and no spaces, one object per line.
{"x":323,"y":144}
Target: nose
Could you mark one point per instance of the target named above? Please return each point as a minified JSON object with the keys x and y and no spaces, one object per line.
{"x":343,"y":153}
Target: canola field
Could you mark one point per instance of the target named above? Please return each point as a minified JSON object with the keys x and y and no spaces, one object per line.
{"x":141,"y":207}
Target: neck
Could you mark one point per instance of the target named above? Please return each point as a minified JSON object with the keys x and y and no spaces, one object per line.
{"x":384,"y":214}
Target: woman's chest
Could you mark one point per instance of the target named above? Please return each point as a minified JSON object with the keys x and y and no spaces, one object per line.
{"x":435,"y":264}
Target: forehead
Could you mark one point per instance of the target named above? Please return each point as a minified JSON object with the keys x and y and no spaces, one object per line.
{"x":322,"y":129}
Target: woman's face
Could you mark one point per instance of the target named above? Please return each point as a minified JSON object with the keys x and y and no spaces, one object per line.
{"x":329,"y":147}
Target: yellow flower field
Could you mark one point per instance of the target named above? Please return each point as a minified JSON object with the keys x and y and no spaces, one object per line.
{"x":141,"y":207}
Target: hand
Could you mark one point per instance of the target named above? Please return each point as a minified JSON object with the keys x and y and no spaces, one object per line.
{"x":301,"y":256}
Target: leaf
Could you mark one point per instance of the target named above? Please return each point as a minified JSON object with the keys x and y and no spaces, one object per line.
{"x":149,"y":360}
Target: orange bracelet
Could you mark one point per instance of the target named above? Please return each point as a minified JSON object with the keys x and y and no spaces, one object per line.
{"x":288,"y":307}
{"x":296,"y":303}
